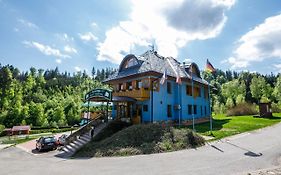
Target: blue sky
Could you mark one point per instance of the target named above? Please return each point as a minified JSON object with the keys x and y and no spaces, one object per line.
{"x":77,"y":35}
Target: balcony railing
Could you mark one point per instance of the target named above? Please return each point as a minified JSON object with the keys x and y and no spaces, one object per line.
{"x":139,"y":94}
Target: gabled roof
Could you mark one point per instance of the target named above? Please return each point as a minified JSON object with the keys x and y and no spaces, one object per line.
{"x":151,"y":61}
{"x":21,"y":128}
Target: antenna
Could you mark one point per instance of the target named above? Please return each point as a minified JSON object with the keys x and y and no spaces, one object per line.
{"x":152,"y":47}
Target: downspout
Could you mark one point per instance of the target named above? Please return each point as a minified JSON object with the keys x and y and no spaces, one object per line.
{"x":151,"y":101}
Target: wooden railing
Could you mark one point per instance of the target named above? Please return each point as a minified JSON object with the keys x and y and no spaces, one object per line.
{"x":84,"y":129}
{"x":139,"y":94}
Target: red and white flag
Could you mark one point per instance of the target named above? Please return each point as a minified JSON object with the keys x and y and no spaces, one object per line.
{"x":164,"y":77}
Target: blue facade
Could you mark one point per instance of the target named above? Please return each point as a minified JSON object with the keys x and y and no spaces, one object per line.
{"x":179,"y":102}
{"x":174,"y":102}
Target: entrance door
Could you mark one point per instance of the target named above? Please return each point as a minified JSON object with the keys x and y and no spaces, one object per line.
{"x":139,"y":113}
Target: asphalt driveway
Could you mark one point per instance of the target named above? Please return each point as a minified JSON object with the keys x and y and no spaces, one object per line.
{"x":239,"y":154}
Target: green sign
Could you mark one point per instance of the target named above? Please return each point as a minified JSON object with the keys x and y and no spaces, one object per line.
{"x":99,"y":93}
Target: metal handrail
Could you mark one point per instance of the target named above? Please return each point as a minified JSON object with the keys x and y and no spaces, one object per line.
{"x":84,"y":129}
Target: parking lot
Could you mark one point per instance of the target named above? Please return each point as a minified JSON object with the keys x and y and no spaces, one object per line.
{"x":30,"y":147}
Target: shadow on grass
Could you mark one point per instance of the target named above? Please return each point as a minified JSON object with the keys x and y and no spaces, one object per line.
{"x":271,"y":118}
{"x":205,"y":127}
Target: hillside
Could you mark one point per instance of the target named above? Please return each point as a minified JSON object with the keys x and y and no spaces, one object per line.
{"x":142,"y":139}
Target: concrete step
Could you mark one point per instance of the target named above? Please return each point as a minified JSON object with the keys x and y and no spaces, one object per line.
{"x":67,"y":150}
{"x":85,"y":138}
{"x":78,"y":143}
{"x":72,"y":147}
{"x":75,"y":145}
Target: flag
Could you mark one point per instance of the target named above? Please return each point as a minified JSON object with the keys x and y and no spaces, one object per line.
{"x":209,"y":67}
{"x":164,"y":77}
{"x":178,"y":79}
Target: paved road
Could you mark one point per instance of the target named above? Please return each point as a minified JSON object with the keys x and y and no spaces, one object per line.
{"x":239,"y":154}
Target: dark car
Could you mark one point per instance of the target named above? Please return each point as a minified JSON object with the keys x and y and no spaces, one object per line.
{"x":46,"y":143}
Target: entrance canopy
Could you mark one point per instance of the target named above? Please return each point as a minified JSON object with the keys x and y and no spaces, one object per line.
{"x":104,"y":95}
{"x":123,"y":99}
{"x":94,"y":104}
{"x":99,"y":95}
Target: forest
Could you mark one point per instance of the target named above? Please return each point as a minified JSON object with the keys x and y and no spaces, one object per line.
{"x":46,"y":98}
{"x":50,"y":98}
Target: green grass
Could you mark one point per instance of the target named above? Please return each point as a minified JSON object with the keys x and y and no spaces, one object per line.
{"x":21,"y":139}
{"x":224,"y":126}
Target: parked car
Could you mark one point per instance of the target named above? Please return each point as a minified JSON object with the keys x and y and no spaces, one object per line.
{"x":46,"y":143}
{"x":61,"y":139}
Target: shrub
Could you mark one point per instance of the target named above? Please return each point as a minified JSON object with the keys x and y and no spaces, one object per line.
{"x":110,"y":129}
{"x":242,"y":109}
{"x":52,"y":130}
{"x":2,"y":127}
{"x":142,"y":139}
{"x":275,"y":107}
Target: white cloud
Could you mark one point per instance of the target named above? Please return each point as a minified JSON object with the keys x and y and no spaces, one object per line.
{"x":58,"y":61}
{"x":16,"y":29}
{"x":171,"y":24}
{"x":278,"y":67}
{"x":70,"y":49}
{"x":77,"y":69}
{"x":28,"y":23}
{"x":93,"y":24}
{"x":88,"y":37}
{"x":64,"y":37}
{"x":187,"y":60}
{"x":263,"y":42}
{"x":45,"y":49}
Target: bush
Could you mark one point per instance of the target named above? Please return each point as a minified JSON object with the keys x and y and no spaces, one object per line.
{"x":242,"y":109}
{"x":2,"y":127}
{"x":52,"y":130}
{"x":110,"y":129}
{"x":275,"y":107}
{"x":142,"y":139}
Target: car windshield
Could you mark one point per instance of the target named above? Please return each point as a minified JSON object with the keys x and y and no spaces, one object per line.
{"x":49,"y":139}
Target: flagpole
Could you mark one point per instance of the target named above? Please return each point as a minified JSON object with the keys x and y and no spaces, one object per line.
{"x":192,"y":107}
{"x":179,"y":104}
{"x":211,"y":121}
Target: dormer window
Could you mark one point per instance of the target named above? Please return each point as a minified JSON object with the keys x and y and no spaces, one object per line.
{"x":131,"y":62}
{"x":128,"y":62}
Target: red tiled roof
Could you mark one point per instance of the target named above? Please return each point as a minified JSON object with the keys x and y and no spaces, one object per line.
{"x":21,"y":128}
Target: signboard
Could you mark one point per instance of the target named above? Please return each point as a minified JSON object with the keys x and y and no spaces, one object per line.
{"x":99,"y":93}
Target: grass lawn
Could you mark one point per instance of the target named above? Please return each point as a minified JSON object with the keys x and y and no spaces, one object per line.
{"x":21,"y":139}
{"x":224,"y":126}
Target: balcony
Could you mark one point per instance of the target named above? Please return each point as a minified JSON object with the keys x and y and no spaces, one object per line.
{"x":140,"y":94}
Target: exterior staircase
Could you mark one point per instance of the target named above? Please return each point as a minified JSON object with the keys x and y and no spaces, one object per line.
{"x":79,"y":138}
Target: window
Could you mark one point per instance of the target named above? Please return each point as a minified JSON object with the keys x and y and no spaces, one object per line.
{"x":169,"y":87}
{"x":129,"y":86}
{"x":195,"y":109}
{"x":120,"y":87}
{"x":201,"y":109}
{"x":189,"y":109}
{"x":199,"y":92}
{"x":131,"y":62}
{"x":114,"y":107}
{"x":169,"y":111}
{"x":206,"y":93}
{"x":145,"y":108}
{"x":188,"y":90}
{"x":205,"y":110}
{"x":138,"y":84}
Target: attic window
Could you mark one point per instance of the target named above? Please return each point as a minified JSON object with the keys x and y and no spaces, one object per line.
{"x":131,"y":62}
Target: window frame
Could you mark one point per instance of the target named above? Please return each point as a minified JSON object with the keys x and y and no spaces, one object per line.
{"x":145,"y":108}
{"x":169,"y":111}
{"x":169,"y":87}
